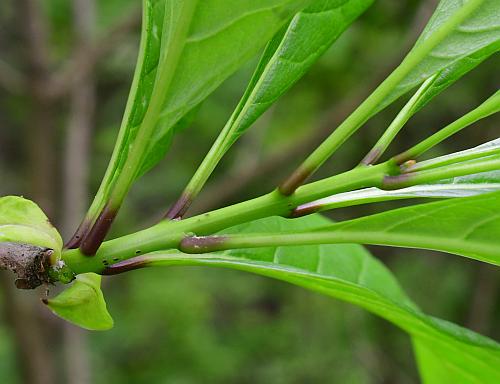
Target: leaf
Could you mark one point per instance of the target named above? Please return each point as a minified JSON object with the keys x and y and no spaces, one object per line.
{"x":287,"y":57}
{"x":22,"y":221}
{"x":458,"y":29}
{"x":452,"y":188}
{"x":290,"y":55}
{"x":83,"y":304}
{"x":349,"y":273}
{"x":467,"y":226}
{"x":464,"y":48}
{"x":175,"y":72}
{"x":449,"y":75}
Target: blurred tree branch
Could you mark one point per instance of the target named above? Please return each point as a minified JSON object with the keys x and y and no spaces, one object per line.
{"x":11,"y":79}
{"x":60,"y":82}
{"x":84,"y":59}
{"x":82,"y":99}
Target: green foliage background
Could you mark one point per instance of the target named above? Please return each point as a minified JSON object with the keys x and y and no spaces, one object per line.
{"x":192,"y":325}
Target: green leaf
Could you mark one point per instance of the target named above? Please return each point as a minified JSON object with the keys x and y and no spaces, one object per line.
{"x":287,"y":57}
{"x":457,"y":30}
{"x":290,"y":55}
{"x":349,"y":273}
{"x":22,"y":221}
{"x":467,"y":226}
{"x":83,"y":304}
{"x":187,"y":50}
{"x":464,"y":48}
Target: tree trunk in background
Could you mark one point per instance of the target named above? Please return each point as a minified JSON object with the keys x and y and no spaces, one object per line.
{"x":75,"y":178}
{"x":23,"y":312}
{"x":41,"y":125}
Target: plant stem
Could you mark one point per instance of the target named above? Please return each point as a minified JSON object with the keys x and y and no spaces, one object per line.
{"x":170,"y":52}
{"x":369,"y":106}
{"x":453,"y":158}
{"x":491,"y":163}
{"x":375,"y":195}
{"x":489,"y":107}
{"x":168,"y":234}
{"x":397,"y":124}
{"x":202,"y":174}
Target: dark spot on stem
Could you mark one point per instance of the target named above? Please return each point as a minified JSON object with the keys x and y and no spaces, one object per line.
{"x":295,"y":180}
{"x":126,"y":265}
{"x":98,"y":232}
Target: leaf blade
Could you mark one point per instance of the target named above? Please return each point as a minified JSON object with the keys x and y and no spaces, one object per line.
{"x":349,"y":273}
{"x":83,"y":304}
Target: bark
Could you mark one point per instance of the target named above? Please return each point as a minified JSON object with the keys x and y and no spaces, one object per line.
{"x":30,"y":263}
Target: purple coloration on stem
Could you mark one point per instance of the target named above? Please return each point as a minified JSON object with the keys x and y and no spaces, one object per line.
{"x":395,"y":182}
{"x":371,"y":157}
{"x":304,"y":210}
{"x":295,"y":180}
{"x":79,"y":235}
{"x":203,"y":244}
{"x":180,"y":207}
{"x":94,"y":238}
{"x":127,"y":265}
{"x":402,"y":158}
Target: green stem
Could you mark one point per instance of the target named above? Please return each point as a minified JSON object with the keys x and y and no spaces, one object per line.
{"x":397,"y":124}
{"x":489,"y":107}
{"x":207,"y":166}
{"x":453,"y":158}
{"x":168,"y":234}
{"x":171,"y":50}
{"x":491,"y":163}
{"x":367,"y":108}
{"x":375,"y":195}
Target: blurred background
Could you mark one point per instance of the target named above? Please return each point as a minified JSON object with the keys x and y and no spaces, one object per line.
{"x":65,"y":71}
